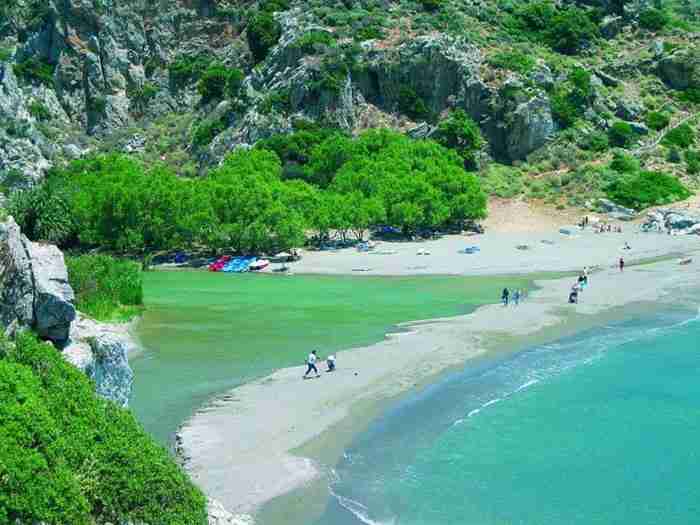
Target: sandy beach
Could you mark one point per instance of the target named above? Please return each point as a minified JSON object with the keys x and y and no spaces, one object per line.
{"x":239,"y":449}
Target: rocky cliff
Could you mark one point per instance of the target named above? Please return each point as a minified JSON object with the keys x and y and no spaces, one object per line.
{"x":36,"y":295}
{"x":86,"y":75}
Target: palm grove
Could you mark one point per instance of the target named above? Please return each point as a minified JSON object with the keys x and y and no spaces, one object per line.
{"x":313,"y":181}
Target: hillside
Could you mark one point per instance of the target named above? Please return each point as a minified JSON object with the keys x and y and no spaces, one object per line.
{"x":552,"y":89}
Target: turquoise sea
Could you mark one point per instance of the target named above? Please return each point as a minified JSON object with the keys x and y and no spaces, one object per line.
{"x":600,"y":428}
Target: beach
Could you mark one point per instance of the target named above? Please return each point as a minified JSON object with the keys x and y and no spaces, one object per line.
{"x":242,"y":448}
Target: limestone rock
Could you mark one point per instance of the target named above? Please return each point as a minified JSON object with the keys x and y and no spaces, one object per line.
{"x":16,"y":280}
{"x":530,"y":126}
{"x":615,"y":210}
{"x":218,"y":515}
{"x":681,"y":70}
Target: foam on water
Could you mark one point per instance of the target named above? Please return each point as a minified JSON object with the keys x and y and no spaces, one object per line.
{"x":393,"y":459}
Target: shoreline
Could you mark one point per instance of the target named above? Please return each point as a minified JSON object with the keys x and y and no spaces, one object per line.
{"x":249,"y":448}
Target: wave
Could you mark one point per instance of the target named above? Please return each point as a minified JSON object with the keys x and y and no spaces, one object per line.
{"x":358,"y":510}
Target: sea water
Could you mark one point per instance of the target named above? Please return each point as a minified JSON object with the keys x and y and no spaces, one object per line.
{"x":600,"y":428}
{"x":204,"y":333}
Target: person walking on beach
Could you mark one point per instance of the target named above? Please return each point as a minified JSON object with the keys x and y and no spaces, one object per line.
{"x":622,"y":264}
{"x":311,"y":364}
{"x":516,"y":297}
{"x":505,"y":296}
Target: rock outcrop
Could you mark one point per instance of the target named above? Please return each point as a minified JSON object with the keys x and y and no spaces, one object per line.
{"x":36,"y":295}
{"x":672,"y":220}
{"x":34,"y":283}
{"x":681,"y":70}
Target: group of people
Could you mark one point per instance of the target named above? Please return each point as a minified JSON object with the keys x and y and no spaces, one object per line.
{"x":313,"y":359}
{"x":515,"y":297}
{"x":600,"y":227}
{"x":578,"y":287}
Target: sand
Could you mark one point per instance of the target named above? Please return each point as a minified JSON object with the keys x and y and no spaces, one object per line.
{"x":238,"y":450}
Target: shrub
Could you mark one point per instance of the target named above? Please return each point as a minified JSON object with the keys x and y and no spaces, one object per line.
{"x":39,"y":111}
{"x":657,"y":120}
{"x":431,"y":5}
{"x":312,"y":42}
{"x":682,"y":136}
{"x":35,"y":70}
{"x":187,"y":68}
{"x":71,"y":457}
{"x":571,"y":30}
{"x":462,"y":134}
{"x":502,"y":181}
{"x":653,"y":19}
{"x":690,"y":95}
{"x":206,"y":131}
{"x":692,"y":159}
{"x":623,"y":163}
{"x":105,"y":287}
{"x":621,"y":134}
{"x":596,"y":141}
{"x":513,"y":60}
{"x":570,"y":101}
{"x":412,"y":104}
{"x":219,"y":81}
{"x":646,"y":188}
{"x":263,"y":34}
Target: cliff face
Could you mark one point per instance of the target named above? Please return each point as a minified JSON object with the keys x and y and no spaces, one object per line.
{"x":36,"y":295}
{"x":85,"y":75}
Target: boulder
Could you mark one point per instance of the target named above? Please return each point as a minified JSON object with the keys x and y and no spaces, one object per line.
{"x":34,"y":285}
{"x":611,"y":26}
{"x":101,"y":351}
{"x":529,"y":127}
{"x":680,"y":221}
{"x":615,"y":210}
{"x":53,"y":296}
{"x":218,"y":515}
{"x":681,"y":70}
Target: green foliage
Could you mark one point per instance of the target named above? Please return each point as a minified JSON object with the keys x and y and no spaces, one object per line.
{"x":277,"y":100}
{"x":682,"y":136}
{"x":97,"y":104}
{"x":184,"y":69}
{"x":624,"y":163}
{"x":653,"y":19}
{"x":219,"y":81}
{"x":690,"y":95}
{"x":313,"y":42}
{"x":462,"y":134}
{"x":39,"y":111}
{"x":71,"y":457}
{"x":656,"y":120}
{"x":35,"y":70}
{"x":412,"y":104}
{"x":263,"y":34}
{"x":569,"y":101}
{"x":646,"y":188}
{"x":513,"y":60}
{"x":565,"y":29}
{"x":621,"y":134}
{"x":502,"y":181}
{"x":431,"y":5}
{"x":692,"y":159}
{"x":596,"y":141}
{"x":104,"y":286}
{"x":6,"y":53}
{"x":206,"y":131}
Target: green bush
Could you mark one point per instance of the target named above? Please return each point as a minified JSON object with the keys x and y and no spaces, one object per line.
{"x":692,"y":160}
{"x":219,"y":81}
{"x":39,"y":111}
{"x":623,"y":163}
{"x":502,"y":181}
{"x":71,"y":457}
{"x":569,"y":102}
{"x":105,"y":287}
{"x":206,"y":131}
{"x":513,"y":60}
{"x":682,"y":136}
{"x":690,"y":95}
{"x":411,"y":104}
{"x":184,"y":69}
{"x":431,"y":5}
{"x":462,"y":134}
{"x":646,"y":188}
{"x":657,"y":120}
{"x":596,"y":141}
{"x":621,"y":134}
{"x":312,"y":42}
{"x":263,"y":34}
{"x":653,"y":19}
{"x":35,"y":70}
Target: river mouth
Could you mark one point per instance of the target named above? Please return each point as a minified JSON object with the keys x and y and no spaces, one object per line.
{"x":205,"y":333}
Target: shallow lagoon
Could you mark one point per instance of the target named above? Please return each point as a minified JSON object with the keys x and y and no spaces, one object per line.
{"x":204,"y":333}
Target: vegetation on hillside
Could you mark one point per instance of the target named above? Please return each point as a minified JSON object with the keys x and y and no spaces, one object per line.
{"x":105,"y":288}
{"x":68,"y":456}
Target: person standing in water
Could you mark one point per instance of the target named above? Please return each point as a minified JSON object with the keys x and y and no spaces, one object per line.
{"x":505,"y":296}
{"x":516,"y":297}
{"x":622,"y":264}
{"x":311,"y":364}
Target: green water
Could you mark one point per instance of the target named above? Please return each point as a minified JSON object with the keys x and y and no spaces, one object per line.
{"x":602,"y":428}
{"x":204,"y":333}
